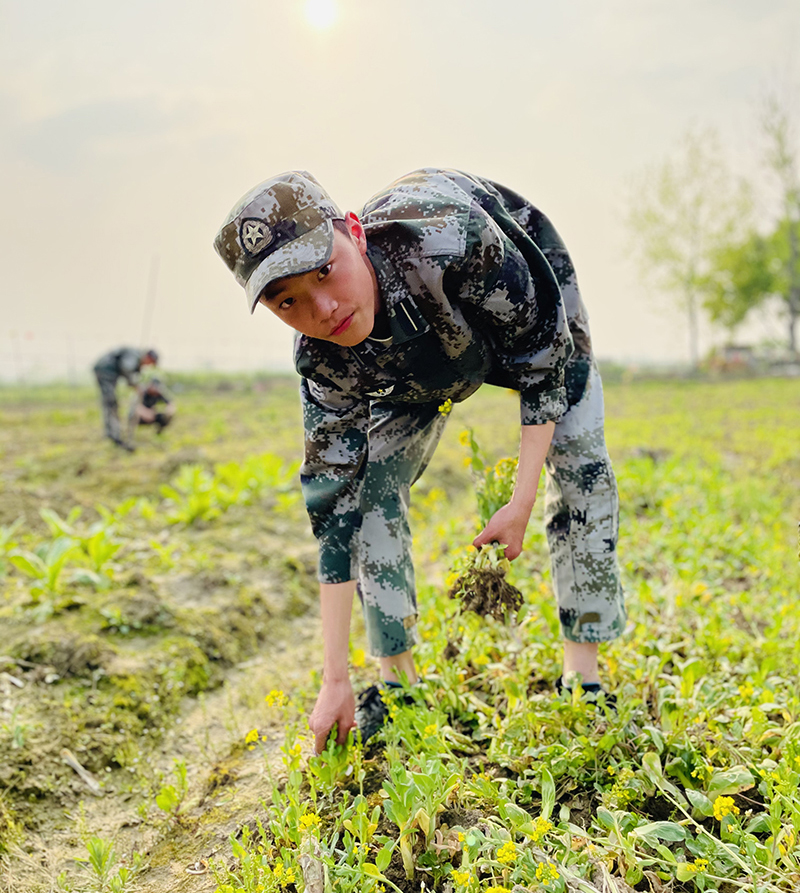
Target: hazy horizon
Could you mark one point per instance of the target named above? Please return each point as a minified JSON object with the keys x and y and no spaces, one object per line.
{"x":130,"y":131}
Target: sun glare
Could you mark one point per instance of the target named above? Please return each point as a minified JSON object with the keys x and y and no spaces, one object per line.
{"x":321,"y":13}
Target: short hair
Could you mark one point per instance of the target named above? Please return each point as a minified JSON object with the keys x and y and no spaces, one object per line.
{"x":341,"y":225}
{"x":152,"y":355}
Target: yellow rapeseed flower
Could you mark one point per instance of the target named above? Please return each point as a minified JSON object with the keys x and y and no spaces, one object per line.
{"x":251,"y":737}
{"x":724,"y":806}
{"x":460,"y":877}
{"x":309,"y":820}
{"x":507,"y":853}
{"x":698,"y":866}
{"x":540,"y":827}
{"x":276,"y":698}
{"x":547,"y":872}
{"x":446,"y":407}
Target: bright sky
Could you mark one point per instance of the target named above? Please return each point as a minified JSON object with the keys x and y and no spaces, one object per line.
{"x":128,"y":130}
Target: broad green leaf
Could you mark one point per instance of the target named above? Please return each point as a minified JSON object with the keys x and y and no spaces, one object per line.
{"x":384,"y":856}
{"x":700,"y":802}
{"x":514,"y":814}
{"x":604,"y":817}
{"x":651,"y":763}
{"x":730,"y":781}
{"x":548,"y":793}
{"x":759,"y":824}
{"x":655,"y":831}
{"x":29,"y":564}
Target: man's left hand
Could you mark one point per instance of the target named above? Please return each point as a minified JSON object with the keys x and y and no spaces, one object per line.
{"x":507,"y":525}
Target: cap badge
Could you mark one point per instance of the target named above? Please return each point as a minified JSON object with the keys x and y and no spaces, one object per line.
{"x":255,"y":235}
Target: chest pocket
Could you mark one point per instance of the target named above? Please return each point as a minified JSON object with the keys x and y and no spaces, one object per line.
{"x":419,"y":371}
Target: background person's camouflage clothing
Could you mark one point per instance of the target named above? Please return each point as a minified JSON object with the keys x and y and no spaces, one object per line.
{"x":477,"y":286}
{"x":125,"y":362}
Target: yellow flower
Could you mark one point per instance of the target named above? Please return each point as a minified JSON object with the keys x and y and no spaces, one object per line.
{"x":540,"y":827}
{"x":451,"y":580}
{"x":460,"y":836}
{"x":496,"y":890}
{"x":251,"y":737}
{"x":547,"y":872}
{"x":507,"y":853}
{"x":277,"y":870}
{"x":460,"y":877}
{"x":724,"y":806}
{"x":358,"y":657}
{"x":698,"y":866}
{"x":276,"y":698}
{"x":309,"y":820}
{"x":446,"y":407}
{"x":464,"y":438}
{"x":430,"y":730}
{"x":289,"y":877}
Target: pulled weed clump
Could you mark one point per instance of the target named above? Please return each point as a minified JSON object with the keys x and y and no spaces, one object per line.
{"x":479,"y":579}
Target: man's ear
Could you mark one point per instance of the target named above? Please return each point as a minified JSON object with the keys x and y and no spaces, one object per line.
{"x":356,"y":231}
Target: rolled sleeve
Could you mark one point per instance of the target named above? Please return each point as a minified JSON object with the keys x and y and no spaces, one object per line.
{"x":538,"y":407}
{"x":332,"y":474}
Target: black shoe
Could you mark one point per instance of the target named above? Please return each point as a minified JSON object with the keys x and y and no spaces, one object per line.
{"x":590,"y":692}
{"x":371,"y":712}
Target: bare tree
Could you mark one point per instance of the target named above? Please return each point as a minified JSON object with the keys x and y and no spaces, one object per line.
{"x":685,"y":209}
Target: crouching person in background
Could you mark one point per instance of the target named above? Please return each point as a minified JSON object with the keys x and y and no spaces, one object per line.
{"x":152,"y":405}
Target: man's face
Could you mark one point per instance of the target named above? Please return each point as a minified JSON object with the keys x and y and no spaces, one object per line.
{"x":336,"y":302}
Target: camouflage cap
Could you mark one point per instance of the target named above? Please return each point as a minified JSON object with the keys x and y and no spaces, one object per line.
{"x":282,"y":227}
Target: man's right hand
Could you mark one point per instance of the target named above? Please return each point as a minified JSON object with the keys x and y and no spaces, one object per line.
{"x":335,"y":705}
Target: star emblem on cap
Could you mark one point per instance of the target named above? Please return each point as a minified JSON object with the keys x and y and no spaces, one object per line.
{"x":255,"y":235}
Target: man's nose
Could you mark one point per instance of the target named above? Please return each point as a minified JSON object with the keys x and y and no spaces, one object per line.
{"x":325,"y":305}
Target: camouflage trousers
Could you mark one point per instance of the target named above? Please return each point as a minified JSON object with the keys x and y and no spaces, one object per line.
{"x":109,"y":406}
{"x":581,"y":516}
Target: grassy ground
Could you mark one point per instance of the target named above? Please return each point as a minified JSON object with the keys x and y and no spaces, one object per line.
{"x":150,"y":602}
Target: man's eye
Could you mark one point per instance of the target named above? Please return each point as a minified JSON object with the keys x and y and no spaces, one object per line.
{"x":323,"y":271}
{"x":286,"y":303}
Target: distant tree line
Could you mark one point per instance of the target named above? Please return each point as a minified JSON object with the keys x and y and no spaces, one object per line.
{"x":715,"y":242}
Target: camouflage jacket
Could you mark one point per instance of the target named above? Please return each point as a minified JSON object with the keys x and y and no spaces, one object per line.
{"x":125,"y":362}
{"x":474,"y":281}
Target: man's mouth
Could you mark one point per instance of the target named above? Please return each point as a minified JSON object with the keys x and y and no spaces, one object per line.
{"x":342,"y":327}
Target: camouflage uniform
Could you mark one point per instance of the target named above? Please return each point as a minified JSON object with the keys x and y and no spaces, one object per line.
{"x":125,"y":362}
{"x":477,"y":286}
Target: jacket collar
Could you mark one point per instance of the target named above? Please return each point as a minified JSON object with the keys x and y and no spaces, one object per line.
{"x":405,"y":320}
